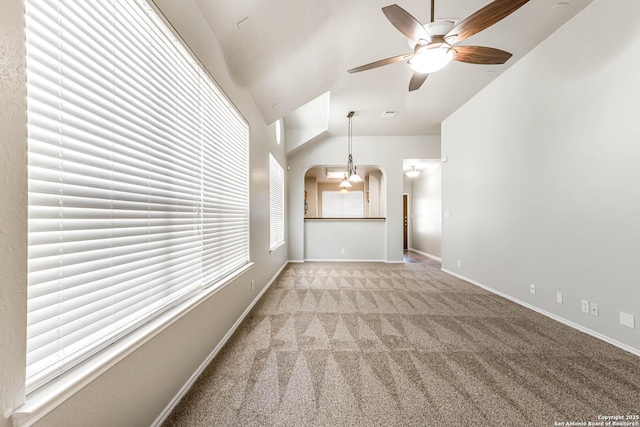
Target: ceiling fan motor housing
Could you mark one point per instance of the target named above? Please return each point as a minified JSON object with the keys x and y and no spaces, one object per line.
{"x":435,"y":29}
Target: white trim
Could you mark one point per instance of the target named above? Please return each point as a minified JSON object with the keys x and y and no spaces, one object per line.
{"x":409,"y":225}
{"x":187,"y":386}
{"x":278,"y":246}
{"x":437,"y":258}
{"x":555,"y":317}
{"x":276,"y":203}
{"x":48,"y":397}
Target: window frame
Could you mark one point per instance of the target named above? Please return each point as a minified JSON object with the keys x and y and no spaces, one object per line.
{"x":276,"y":178}
{"x":342,"y":196}
{"x":97,"y":362}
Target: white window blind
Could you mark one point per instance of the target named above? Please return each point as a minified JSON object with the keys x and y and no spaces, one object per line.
{"x":342,"y":205}
{"x":138,"y":177}
{"x":276,"y":202}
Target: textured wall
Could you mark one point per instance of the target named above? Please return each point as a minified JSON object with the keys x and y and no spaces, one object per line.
{"x":13,"y":207}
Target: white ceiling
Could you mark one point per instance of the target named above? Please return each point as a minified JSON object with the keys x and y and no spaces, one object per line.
{"x":289,"y":52}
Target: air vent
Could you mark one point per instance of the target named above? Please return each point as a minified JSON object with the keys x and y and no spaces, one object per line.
{"x":389,"y":113}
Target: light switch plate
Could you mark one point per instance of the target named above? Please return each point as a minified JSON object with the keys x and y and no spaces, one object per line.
{"x":559,"y":297}
{"x":585,"y":306}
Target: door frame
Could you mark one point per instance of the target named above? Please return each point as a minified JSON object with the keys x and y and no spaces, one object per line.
{"x":408,"y":196}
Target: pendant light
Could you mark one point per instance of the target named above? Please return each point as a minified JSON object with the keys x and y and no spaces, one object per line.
{"x":352,"y":174}
{"x":412,"y":172}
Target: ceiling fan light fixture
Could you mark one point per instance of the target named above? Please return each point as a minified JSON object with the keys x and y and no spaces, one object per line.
{"x":430,"y":59}
{"x":412,"y":172}
{"x":432,"y":43}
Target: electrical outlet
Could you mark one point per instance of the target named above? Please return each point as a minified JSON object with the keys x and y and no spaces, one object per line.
{"x":342,"y":250}
{"x":459,"y":263}
{"x":593,"y":308}
{"x":252,"y":284}
{"x":532,"y":288}
{"x":585,"y":306}
{"x":627,"y":320}
{"x":559,"y":297}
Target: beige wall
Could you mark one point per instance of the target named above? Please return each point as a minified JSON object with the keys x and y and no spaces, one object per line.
{"x":374,"y":188}
{"x":311,"y":187}
{"x":13,"y":207}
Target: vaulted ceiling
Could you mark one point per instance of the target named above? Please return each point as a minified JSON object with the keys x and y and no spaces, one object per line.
{"x":288,"y":52}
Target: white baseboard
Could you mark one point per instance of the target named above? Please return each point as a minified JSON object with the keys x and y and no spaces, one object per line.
{"x":346,"y":260}
{"x":194,"y":377}
{"x":437,"y":258}
{"x":550,"y":315}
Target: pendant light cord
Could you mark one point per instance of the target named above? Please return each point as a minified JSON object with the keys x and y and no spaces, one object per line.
{"x":350,"y":168}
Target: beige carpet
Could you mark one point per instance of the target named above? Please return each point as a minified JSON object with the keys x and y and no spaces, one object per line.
{"x":369,"y":344}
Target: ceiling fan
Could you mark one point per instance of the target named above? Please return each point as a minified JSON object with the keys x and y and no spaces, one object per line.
{"x":434,"y":43}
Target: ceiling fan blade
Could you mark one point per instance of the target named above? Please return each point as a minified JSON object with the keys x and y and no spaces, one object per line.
{"x":406,"y":23}
{"x":483,"y":18}
{"x":416,"y":81}
{"x":480,"y":55}
{"x":382,"y":62}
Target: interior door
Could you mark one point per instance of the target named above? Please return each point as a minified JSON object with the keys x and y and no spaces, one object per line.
{"x":405,"y":214}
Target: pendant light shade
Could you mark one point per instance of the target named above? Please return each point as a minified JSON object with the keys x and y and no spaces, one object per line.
{"x":345,"y":183}
{"x":355,"y":177}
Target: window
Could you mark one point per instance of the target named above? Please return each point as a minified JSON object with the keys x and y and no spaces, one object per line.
{"x":278,"y":125}
{"x":138,"y":178}
{"x":342,"y":205}
{"x":276,"y":203}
